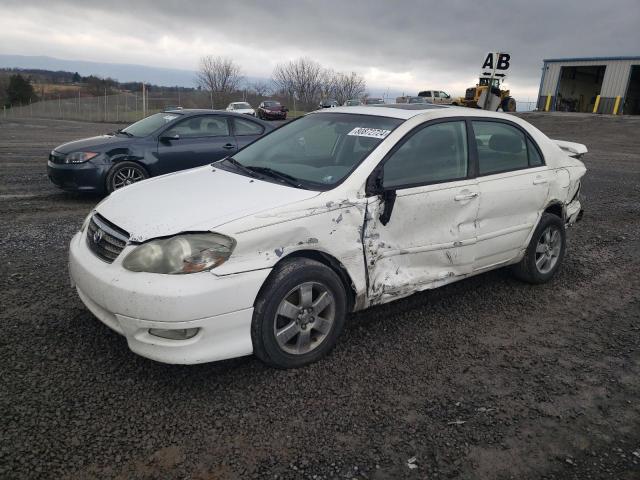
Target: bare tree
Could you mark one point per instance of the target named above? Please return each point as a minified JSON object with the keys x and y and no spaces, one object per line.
{"x":347,"y":86}
{"x":220,"y":76}
{"x":327,"y":84}
{"x":260,"y":88}
{"x":300,"y":78}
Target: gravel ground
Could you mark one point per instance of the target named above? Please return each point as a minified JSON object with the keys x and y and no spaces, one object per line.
{"x":487,"y":378}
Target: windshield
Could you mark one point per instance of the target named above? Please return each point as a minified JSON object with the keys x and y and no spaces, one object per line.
{"x":352,"y":103}
{"x":240,"y":106}
{"x":271,"y":104}
{"x":150,"y":124}
{"x":374,"y":101}
{"x":417,"y":100}
{"x":319,"y":150}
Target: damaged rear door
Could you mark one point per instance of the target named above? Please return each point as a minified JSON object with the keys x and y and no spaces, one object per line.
{"x":423,"y":204}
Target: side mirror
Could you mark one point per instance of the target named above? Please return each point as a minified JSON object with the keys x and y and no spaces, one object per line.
{"x":169,"y":138}
{"x":375,"y":187}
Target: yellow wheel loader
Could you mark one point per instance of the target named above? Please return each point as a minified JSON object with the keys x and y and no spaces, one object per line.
{"x":476,"y":97}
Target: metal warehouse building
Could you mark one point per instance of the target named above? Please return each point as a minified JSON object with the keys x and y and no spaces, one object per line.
{"x":595,"y":85}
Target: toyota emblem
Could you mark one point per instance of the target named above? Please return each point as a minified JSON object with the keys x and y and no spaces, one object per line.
{"x":97,"y":236}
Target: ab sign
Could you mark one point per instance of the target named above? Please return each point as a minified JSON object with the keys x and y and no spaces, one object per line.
{"x":496,"y":65}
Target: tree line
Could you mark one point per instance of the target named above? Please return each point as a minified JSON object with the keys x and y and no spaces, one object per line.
{"x":303,"y":80}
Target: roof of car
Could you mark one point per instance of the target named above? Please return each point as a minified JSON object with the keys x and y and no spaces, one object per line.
{"x":192,"y":111}
{"x":394,"y":110}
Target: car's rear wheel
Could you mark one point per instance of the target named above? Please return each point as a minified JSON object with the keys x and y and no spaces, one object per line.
{"x":299,"y":314}
{"x":545,"y":252}
{"x":123,"y":174}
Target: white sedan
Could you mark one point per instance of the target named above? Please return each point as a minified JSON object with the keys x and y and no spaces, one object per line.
{"x":241,"y":107}
{"x":268,"y":251}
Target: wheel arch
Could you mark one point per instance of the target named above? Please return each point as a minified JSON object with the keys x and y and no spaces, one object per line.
{"x":327,"y":260}
{"x":556,"y":207}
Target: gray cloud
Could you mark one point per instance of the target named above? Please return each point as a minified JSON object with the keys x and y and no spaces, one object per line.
{"x":406,"y":43}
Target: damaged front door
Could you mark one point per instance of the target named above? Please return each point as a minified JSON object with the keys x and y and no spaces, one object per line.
{"x":429,"y":235}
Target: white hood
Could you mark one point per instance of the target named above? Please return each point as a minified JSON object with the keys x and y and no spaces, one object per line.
{"x":198,"y":199}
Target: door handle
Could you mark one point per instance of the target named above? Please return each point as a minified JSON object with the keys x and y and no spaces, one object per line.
{"x":540,"y":181}
{"x":228,"y":146}
{"x":465,"y":196}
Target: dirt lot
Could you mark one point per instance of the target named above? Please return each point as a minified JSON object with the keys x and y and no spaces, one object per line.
{"x":488,"y":378}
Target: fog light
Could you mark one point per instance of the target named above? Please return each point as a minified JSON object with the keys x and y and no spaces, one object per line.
{"x":178,"y":334}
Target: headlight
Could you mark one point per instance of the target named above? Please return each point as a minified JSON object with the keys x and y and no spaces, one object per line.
{"x":79,"y":157}
{"x":187,"y":253}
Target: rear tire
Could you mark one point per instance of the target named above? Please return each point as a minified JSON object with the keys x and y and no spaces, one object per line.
{"x":299,"y":314}
{"x":545,"y":252}
{"x":508,"y":104}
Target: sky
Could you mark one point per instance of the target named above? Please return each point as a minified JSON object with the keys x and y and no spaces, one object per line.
{"x":401,"y":45}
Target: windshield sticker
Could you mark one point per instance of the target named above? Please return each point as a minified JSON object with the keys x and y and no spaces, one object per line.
{"x":369,"y":132}
{"x":168,"y":118}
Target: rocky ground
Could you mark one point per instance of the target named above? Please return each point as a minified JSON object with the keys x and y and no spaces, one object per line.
{"x":488,"y":378}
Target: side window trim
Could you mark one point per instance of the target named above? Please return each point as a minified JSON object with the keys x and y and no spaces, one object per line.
{"x":471,"y":157}
{"x":474,"y":145}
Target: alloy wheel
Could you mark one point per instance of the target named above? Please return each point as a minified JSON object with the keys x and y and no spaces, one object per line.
{"x":127,"y":176}
{"x":548,"y":249}
{"x":304,"y":318}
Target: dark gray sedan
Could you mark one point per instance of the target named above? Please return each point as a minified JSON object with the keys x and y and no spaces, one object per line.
{"x":161,"y":143}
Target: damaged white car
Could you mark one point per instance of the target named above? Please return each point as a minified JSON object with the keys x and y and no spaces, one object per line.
{"x":268,"y":251}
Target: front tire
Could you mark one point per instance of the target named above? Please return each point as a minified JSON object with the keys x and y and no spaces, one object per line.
{"x":299,"y":314}
{"x":545,"y":252}
{"x":123,"y":174}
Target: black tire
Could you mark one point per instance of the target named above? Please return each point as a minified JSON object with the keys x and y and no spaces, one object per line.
{"x":289,"y":275}
{"x":528,"y":270}
{"x":114,"y":182}
{"x":508,"y":104}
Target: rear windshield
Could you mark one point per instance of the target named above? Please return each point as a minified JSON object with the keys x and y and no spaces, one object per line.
{"x":241,"y":105}
{"x":150,"y":124}
{"x":271,"y":104}
{"x":319,"y":150}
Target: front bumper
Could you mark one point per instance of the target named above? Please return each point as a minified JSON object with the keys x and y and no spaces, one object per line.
{"x":79,"y":177}
{"x":274,"y":115}
{"x":130,"y":303}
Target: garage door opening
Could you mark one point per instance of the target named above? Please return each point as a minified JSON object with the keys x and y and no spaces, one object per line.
{"x":632,"y":97}
{"x":579,"y":87}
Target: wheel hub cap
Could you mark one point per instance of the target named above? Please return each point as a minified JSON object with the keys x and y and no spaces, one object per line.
{"x":304,"y":318}
{"x":548,"y":249}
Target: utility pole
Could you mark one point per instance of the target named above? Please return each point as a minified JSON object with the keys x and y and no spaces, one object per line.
{"x":144,"y":102}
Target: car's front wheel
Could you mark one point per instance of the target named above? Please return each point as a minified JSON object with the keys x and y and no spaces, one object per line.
{"x":123,"y":174}
{"x":299,"y":314}
{"x":545,"y":252}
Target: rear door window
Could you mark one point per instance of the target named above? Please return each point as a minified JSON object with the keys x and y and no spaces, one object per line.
{"x":501,"y":147}
{"x":206,"y":126}
{"x":247,"y":127}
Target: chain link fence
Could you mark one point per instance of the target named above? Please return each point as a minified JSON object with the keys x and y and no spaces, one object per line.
{"x":120,"y":108}
{"x":124,"y":107}
{"x":128,"y":107}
